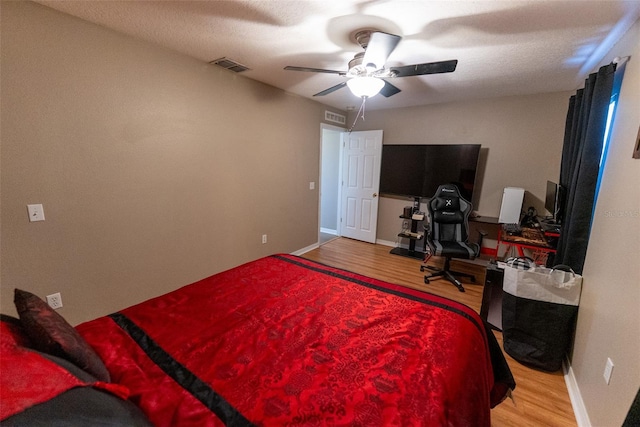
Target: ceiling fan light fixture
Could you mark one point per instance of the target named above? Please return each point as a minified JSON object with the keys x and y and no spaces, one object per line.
{"x":365,"y":86}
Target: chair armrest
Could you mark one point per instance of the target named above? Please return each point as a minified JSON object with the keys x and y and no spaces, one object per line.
{"x":482,"y":234}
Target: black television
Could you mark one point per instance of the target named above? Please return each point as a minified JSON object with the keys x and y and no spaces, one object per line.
{"x":554,"y":201}
{"x":416,"y":171}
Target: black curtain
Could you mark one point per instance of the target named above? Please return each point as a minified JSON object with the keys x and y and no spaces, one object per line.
{"x":633,"y":416}
{"x":583,"y":141}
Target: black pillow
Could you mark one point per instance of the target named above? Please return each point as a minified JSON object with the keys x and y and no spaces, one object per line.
{"x":446,"y":203}
{"x":50,"y":333}
{"x":80,"y":406}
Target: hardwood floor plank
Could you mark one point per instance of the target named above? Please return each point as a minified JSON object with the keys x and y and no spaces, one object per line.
{"x":540,"y":398}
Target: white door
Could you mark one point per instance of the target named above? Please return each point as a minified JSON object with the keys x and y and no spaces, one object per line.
{"x":362,"y":152}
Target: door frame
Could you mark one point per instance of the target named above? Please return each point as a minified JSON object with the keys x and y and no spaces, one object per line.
{"x":339,"y":130}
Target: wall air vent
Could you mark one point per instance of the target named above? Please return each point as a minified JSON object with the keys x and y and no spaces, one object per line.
{"x":229,"y":64}
{"x":334,"y":117}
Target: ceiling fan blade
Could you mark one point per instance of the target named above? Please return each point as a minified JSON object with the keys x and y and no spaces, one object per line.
{"x":331,"y":89}
{"x":314,"y":70}
{"x":428,"y":68}
{"x":379,"y":48}
{"x":388,"y":89}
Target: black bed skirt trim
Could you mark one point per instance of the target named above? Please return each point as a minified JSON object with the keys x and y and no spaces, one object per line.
{"x":321,"y":268}
{"x":183,"y":376}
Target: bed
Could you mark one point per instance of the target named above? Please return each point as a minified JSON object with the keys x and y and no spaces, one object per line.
{"x":283,"y":341}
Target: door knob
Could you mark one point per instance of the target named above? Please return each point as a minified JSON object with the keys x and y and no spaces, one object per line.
{"x":375,"y":195}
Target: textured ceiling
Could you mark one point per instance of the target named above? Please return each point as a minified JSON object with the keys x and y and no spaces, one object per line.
{"x":503,"y":47}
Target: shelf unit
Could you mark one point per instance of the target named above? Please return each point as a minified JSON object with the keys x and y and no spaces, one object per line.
{"x":412,"y":252}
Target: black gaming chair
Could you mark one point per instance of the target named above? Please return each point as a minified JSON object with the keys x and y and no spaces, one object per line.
{"x":447,"y":233}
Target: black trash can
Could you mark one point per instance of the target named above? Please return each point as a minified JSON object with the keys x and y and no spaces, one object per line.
{"x":539,"y":312}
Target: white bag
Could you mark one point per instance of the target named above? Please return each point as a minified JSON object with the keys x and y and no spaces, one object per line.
{"x":555,"y":285}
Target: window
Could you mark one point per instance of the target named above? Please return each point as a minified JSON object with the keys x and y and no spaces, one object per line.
{"x":611,"y":114}
{"x":605,"y":141}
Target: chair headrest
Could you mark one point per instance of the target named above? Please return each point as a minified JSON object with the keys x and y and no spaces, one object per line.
{"x":447,"y":198}
{"x":447,"y":190}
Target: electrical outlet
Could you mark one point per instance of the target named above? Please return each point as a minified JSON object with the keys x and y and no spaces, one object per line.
{"x":54,"y":300}
{"x":36,"y":212}
{"x":608,"y":370}
{"x":264,"y":239}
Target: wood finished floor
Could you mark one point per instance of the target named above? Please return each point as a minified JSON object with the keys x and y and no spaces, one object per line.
{"x":540,"y":398}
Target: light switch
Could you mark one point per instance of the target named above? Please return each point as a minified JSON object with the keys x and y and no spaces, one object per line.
{"x":36,"y":212}
{"x":312,"y":185}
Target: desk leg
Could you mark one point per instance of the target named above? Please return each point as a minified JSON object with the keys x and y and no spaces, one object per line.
{"x":540,"y":257}
{"x":509,"y":247}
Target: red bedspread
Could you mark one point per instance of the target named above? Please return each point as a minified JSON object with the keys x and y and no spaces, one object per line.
{"x":286,"y":341}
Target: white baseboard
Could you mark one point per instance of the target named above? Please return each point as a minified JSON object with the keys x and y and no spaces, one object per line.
{"x":307,"y":249}
{"x":317,"y":245}
{"x":580,"y":411}
{"x":386,"y":243}
{"x":328,"y":231}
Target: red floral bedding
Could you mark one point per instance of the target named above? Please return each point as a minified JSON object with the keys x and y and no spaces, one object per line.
{"x":287,"y":341}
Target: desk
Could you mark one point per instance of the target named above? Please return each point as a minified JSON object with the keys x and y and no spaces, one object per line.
{"x":539,"y":242}
{"x":484,"y":219}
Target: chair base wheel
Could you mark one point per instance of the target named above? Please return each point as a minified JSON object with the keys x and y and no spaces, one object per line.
{"x":447,"y":275}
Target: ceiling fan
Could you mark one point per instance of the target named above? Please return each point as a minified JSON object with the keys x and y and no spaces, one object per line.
{"x":367,"y":69}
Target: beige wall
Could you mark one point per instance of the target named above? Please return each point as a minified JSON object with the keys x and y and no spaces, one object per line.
{"x":521,"y":140}
{"x":609,"y":316}
{"x":154,"y":169}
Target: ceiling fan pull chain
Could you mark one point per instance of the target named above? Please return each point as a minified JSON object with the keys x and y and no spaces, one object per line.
{"x":364,"y":99}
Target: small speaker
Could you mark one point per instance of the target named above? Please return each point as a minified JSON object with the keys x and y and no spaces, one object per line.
{"x":408,"y":211}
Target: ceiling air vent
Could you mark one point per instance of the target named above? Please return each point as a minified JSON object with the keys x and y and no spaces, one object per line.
{"x":229,"y":64}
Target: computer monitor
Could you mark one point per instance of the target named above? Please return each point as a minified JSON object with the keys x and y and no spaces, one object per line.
{"x":554,"y":201}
